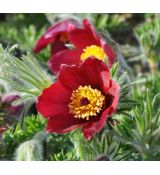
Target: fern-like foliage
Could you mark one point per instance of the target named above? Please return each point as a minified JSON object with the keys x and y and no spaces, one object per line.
{"x":141,"y":130}
{"x":24,"y":74}
{"x":102,"y":145}
{"x":126,"y":103}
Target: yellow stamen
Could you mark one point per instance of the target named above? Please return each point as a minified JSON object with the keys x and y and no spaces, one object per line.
{"x":86,"y":102}
{"x":93,"y":50}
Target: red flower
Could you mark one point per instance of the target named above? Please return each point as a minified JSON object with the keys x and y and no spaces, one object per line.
{"x":87,"y":44}
{"x":83,"y":96}
{"x":9,"y":112}
{"x":2,"y":129}
{"x":6,"y":104}
{"x":56,"y":35}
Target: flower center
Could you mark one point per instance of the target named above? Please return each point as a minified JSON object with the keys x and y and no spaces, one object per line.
{"x":64,"y":37}
{"x":93,"y":50}
{"x":86,"y":102}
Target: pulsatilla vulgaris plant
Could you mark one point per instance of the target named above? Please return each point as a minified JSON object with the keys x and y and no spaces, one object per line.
{"x":85,"y":97}
{"x":141,"y":129}
{"x":84,"y":42}
{"x":9,"y":113}
{"x":87,"y":89}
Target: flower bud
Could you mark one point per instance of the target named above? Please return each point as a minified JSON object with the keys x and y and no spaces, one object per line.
{"x":102,"y":158}
{"x":7,"y":106}
{"x":9,"y":113}
{"x":31,"y":150}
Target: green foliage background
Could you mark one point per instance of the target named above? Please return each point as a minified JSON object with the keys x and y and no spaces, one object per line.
{"x":136,"y":134}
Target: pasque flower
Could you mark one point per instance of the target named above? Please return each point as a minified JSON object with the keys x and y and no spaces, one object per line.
{"x":56,"y":35}
{"x":86,"y":43}
{"x":9,"y":113}
{"x":84,"y":96}
{"x":6,"y":104}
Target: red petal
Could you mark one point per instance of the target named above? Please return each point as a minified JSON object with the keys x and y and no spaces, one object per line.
{"x":91,"y":128}
{"x":69,"y":57}
{"x":115,"y":92}
{"x":90,"y":29}
{"x":53,"y":104}
{"x":82,"y":38}
{"x":106,"y":81}
{"x":91,"y":69}
{"x":10,"y":98}
{"x":53,"y":101}
{"x":63,"y":123}
{"x":87,"y":73}
{"x":110,"y":53}
{"x":57,"y":46}
{"x":51,"y":34}
{"x":71,"y":78}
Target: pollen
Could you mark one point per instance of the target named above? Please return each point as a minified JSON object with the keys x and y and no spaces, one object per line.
{"x":93,"y":50}
{"x":86,"y":102}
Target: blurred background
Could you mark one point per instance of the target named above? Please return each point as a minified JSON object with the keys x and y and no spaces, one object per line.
{"x":136,"y":37}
